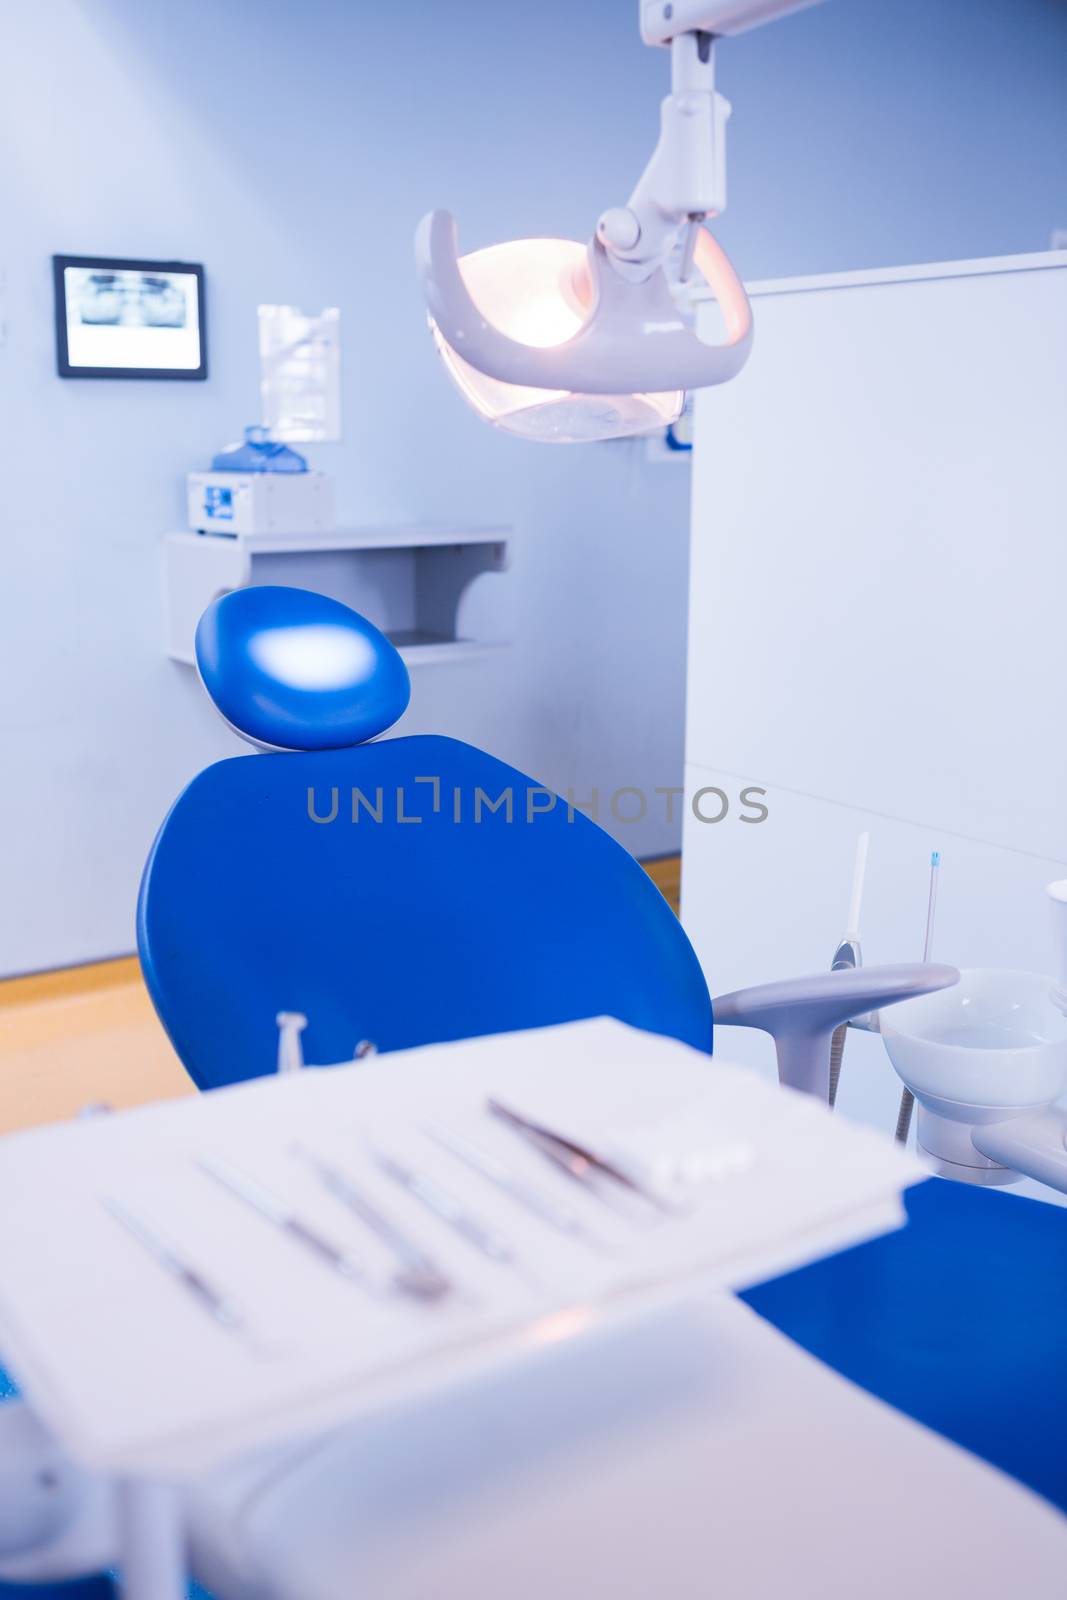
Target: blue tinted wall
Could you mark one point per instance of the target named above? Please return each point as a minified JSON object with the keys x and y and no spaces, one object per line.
{"x":291,"y":148}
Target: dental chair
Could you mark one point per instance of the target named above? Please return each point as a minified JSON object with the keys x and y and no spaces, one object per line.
{"x":404,"y":891}
{"x":399,"y":891}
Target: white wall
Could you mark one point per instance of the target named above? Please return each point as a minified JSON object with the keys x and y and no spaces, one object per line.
{"x":291,"y":147}
{"x":876,"y":638}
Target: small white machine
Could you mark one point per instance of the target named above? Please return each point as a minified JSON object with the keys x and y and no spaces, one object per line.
{"x":559,"y":341}
{"x":262,"y":503}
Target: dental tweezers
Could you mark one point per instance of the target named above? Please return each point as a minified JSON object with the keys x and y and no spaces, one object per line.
{"x":578,"y":1160}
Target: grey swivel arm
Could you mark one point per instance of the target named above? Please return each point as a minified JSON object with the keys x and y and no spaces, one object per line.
{"x":802,"y":1013}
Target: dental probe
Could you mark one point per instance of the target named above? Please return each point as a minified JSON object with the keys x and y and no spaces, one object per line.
{"x":419,"y":1274}
{"x":191,"y":1278}
{"x":848,"y":954}
{"x":508,"y":1182}
{"x":907,"y":1099}
{"x":275,"y":1211}
{"x":446,"y":1208}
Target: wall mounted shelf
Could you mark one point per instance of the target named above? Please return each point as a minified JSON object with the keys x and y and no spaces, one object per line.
{"x":408,"y":580}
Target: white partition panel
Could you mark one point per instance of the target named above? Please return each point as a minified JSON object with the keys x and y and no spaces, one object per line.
{"x":878,"y":627}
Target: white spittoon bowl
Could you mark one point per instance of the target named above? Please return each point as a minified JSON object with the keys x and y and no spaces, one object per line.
{"x":991,"y":1048}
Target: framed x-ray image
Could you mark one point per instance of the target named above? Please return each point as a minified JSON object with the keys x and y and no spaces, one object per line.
{"x":129,"y":319}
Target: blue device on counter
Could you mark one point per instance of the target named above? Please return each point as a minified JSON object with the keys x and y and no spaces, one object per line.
{"x":258,"y":453}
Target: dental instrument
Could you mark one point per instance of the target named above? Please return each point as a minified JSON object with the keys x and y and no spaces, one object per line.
{"x":496,"y":1172}
{"x":446,"y":1208}
{"x":274,"y":1210}
{"x":579,"y":1160}
{"x":1057,"y":896}
{"x":564,"y":342}
{"x":213,"y":1301}
{"x":907,"y":1099}
{"x":291,"y":1025}
{"x":848,"y":954}
{"x":419,"y":1274}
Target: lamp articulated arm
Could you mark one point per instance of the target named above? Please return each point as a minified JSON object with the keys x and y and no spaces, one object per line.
{"x":685,"y":180}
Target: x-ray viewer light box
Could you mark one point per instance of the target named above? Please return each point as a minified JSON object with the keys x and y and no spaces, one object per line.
{"x":117,"y":318}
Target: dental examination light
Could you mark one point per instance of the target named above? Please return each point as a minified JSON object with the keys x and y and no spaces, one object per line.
{"x":556,"y":340}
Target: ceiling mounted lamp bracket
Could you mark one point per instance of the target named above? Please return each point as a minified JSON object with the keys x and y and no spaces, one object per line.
{"x":685,"y":180}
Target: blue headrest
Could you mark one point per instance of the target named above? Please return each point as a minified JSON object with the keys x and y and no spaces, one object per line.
{"x":293,"y":670}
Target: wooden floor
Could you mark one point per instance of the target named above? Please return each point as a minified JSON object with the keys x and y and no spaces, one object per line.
{"x":84,"y":1036}
{"x":89,"y":1035}
{"x":666,"y":874}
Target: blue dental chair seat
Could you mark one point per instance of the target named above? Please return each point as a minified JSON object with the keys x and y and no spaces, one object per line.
{"x":407,"y":930}
{"x":403,"y":891}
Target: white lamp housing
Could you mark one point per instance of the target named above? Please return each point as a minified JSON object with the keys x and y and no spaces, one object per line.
{"x":538,"y":293}
{"x":538,"y":334}
{"x":663,"y":20}
{"x":556,"y":340}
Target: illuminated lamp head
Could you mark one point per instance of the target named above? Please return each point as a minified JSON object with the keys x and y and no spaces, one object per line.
{"x":539,"y":292}
{"x":548,"y":340}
